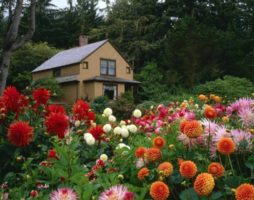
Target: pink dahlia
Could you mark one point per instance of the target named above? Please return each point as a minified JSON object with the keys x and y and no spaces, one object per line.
{"x":242,"y":103}
{"x":247,"y":117}
{"x":63,"y":193}
{"x":117,"y":192}
{"x":242,"y":139}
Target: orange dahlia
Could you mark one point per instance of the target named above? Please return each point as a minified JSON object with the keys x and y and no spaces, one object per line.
{"x":182,"y":125}
{"x":193,"y":129}
{"x":204,"y":184}
{"x":159,"y":142}
{"x":20,"y":133}
{"x":142,"y":173}
{"x":153,"y":154}
{"x":188,"y":169}
{"x":140,"y":152}
{"x":226,"y":146}
{"x":166,"y":168}
{"x":202,"y":97}
{"x":217,"y":99}
{"x":159,"y":190}
{"x":216,"y":169}
{"x":210,"y":112}
{"x":245,"y":192}
{"x":57,"y":124}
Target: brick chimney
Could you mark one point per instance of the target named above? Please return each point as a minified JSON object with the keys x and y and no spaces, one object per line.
{"x":83,"y":40}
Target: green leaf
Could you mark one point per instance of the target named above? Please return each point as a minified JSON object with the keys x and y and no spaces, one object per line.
{"x":189,"y":194}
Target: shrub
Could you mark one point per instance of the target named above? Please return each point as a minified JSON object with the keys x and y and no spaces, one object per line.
{"x":229,"y":87}
{"x":99,"y":104}
{"x":123,"y":106}
{"x":50,"y":84}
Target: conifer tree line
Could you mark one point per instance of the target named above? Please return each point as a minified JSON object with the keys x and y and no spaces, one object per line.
{"x":188,"y":42}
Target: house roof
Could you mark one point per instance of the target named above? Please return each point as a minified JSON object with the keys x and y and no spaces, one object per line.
{"x":111,"y":79}
{"x":67,"y":79}
{"x":70,"y":56}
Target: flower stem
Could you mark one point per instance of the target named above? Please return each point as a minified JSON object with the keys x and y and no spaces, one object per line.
{"x":231,"y":166}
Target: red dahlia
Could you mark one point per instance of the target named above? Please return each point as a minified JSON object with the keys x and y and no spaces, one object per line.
{"x":41,"y":96}
{"x":55,"y":109}
{"x":57,"y":124}
{"x":11,"y":98}
{"x":20,"y":133}
{"x":97,"y":132}
{"x":80,"y":109}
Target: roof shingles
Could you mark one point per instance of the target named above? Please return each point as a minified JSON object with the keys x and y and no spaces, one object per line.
{"x":70,"y":56}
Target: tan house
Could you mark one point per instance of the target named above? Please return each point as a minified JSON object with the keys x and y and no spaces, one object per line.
{"x":89,"y":71}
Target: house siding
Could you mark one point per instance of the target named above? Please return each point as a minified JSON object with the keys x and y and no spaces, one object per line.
{"x":70,"y":70}
{"x":70,"y":92}
{"x":43,"y":74}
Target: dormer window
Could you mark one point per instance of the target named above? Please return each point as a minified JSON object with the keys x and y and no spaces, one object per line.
{"x":108,"y":67}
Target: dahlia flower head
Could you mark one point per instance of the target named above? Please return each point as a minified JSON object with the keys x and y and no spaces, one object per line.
{"x":246,"y":116}
{"x":117,"y":192}
{"x":240,"y":104}
{"x":63,"y":193}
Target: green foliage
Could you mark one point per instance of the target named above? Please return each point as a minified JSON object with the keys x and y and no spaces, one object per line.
{"x":229,"y":87}
{"x":151,"y":87}
{"x":99,"y":103}
{"x":50,"y":84}
{"x":25,"y":60}
{"x":123,"y":106}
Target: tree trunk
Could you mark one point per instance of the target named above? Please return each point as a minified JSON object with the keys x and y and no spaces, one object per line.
{"x":12,"y":42}
{"x":4,"y":66}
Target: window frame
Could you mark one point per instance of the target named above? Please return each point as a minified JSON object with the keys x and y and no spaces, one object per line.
{"x":128,"y":70}
{"x":112,"y":85}
{"x":85,"y":65}
{"x":107,"y":67}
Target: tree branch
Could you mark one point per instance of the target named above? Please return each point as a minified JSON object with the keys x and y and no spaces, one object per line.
{"x":30,"y":32}
{"x":14,"y":26}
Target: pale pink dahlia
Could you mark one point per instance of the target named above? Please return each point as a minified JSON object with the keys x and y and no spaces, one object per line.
{"x":242,"y":139}
{"x":63,"y":194}
{"x":242,"y":103}
{"x":117,"y":192}
{"x":247,"y":117}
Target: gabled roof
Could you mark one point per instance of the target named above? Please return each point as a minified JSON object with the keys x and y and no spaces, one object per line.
{"x":70,"y":56}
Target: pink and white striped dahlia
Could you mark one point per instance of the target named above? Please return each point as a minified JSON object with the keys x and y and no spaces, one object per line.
{"x":63,"y":194}
{"x":117,"y":192}
{"x":246,"y":117}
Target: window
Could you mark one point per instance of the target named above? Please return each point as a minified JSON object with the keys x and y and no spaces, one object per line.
{"x":85,"y":65}
{"x":57,"y":72}
{"x":128,"y":70}
{"x":110,"y":91}
{"x":108,"y":67}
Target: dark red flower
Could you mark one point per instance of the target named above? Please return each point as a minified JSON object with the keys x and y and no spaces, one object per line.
{"x":41,"y":96}
{"x":20,"y":133}
{"x":90,"y":117}
{"x":80,"y":109}
{"x":34,"y":193}
{"x":52,"y":154}
{"x":11,"y":99}
{"x":55,"y":109}
{"x":97,"y":132}
{"x":100,"y":163}
{"x":57,"y":124}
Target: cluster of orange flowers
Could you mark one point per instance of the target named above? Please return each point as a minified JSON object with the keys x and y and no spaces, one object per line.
{"x":205,"y":98}
{"x":158,"y":190}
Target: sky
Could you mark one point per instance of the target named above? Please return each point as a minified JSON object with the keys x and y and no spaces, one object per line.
{"x":63,"y":3}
